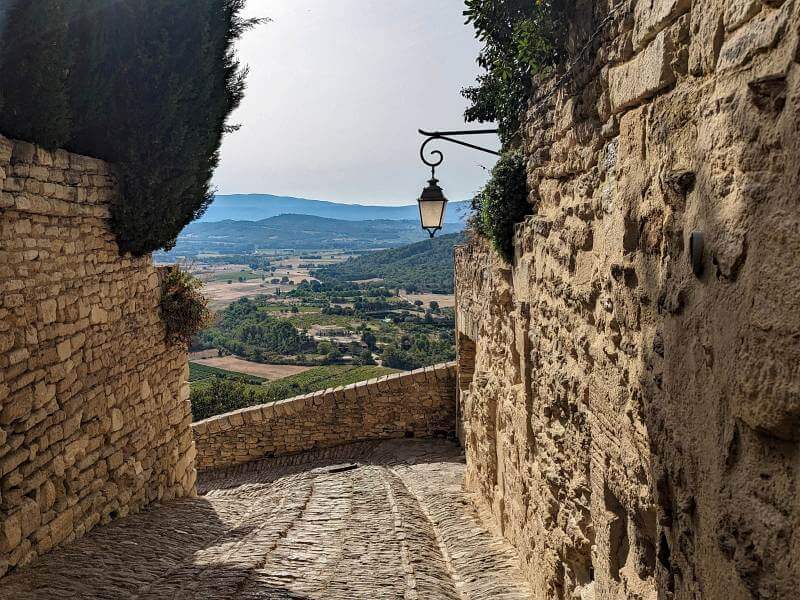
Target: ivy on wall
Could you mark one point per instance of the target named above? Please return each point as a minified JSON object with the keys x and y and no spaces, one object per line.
{"x":502,"y":203}
{"x":521,"y":39}
{"x":145,"y":85}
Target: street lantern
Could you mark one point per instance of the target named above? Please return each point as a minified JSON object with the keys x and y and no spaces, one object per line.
{"x":432,"y":207}
{"x":432,"y":203}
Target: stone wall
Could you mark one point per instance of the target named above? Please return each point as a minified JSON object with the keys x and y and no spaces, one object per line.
{"x":94,"y":412}
{"x":634,"y":424}
{"x":418,"y":403}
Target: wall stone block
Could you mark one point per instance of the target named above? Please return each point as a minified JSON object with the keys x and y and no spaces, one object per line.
{"x":759,"y":35}
{"x":653,"y":16}
{"x":645,"y":75}
{"x":738,"y":12}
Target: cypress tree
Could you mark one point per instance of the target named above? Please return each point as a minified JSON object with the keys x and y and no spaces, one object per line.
{"x":91,"y":78}
{"x":34,"y":65}
{"x":150,"y":90}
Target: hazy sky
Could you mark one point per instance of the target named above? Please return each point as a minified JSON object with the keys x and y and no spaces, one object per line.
{"x":336,"y":92}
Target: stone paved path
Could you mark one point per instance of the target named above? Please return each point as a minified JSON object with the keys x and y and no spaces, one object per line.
{"x":365,"y":521}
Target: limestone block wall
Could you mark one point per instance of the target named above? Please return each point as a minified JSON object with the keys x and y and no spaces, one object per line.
{"x":634,"y":425}
{"x":418,"y":403}
{"x":94,"y":412}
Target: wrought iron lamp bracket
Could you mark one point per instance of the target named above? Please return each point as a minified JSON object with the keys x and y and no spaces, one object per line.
{"x":447,"y":136}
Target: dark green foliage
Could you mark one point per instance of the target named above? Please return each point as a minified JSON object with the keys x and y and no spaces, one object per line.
{"x":172,"y":81}
{"x":415,"y":350}
{"x":521,"y":39}
{"x":34,"y":64}
{"x":244,"y":329}
{"x":146,"y":85}
{"x":332,"y":353}
{"x":365,"y":358}
{"x":184,"y":309}
{"x":424,"y":266}
{"x":396,"y":358}
{"x":502,"y":203}
{"x":274,"y":335}
{"x":225,"y":395}
{"x":369,"y":339}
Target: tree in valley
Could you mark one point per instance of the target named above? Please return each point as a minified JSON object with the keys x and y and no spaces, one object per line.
{"x":369,"y":339}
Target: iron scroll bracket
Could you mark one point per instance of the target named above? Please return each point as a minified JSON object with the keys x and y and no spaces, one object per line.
{"x":447,"y":136}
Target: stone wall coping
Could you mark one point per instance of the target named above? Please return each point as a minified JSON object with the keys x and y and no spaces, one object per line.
{"x":262,"y":412}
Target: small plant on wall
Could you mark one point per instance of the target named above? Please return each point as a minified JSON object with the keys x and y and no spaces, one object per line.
{"x":502,"y":203}
{"x":183,"y":308}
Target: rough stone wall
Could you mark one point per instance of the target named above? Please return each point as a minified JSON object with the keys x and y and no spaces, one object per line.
{"x":94,"y":412}
{"x":419,"y":403}
{"x":634,"y":426}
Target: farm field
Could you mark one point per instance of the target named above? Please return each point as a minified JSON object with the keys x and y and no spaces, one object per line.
{"x":238,"y":365}
{"x":235,"y":275}
{"x":226,"y":283}
{"x":331,"y":376}
{"x":444,"y":300}
{"x":220,"y":293}
{"x":308,"y":319}
{"x":200,"y":372}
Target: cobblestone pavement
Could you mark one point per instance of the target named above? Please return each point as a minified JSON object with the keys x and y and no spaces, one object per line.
{"x":365,"y":521}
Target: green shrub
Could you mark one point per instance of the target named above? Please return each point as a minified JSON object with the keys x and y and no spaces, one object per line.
{"x":521,"y":38}
{"x":145,"y":85}
{"x":502,"y":203}
{"x":184,"y":309}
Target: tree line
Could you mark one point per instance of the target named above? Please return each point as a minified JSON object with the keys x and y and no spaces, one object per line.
{"x":422,"y":267}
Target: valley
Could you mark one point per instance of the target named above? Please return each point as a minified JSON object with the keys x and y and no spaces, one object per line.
{"x":288,"y":320}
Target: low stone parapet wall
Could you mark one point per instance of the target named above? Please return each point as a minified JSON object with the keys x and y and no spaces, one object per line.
{"x":418,"y":403}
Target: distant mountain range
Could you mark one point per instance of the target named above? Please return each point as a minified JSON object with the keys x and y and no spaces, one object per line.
{"x":424,"y":266}
{"x":255,"y":207}
{"x":297,"y":232}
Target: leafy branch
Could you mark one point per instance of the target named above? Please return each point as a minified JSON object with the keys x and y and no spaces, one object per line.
{"x":521,"y":39}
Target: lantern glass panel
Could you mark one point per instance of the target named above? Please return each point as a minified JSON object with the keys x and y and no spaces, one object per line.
{"x":431,"y":213}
